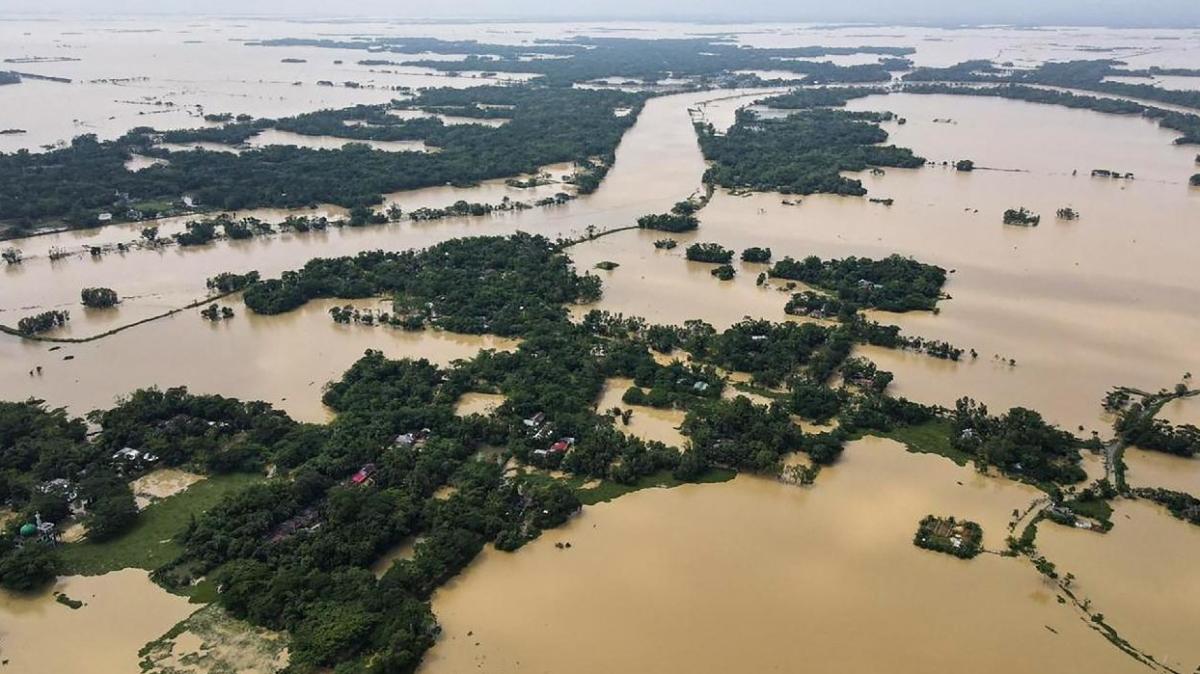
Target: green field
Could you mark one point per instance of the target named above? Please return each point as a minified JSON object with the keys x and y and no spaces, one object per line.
{"x":929,"y":438}
{"x":149,"y":544}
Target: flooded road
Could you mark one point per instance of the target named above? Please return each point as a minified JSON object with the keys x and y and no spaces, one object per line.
{"x":753,"y":575}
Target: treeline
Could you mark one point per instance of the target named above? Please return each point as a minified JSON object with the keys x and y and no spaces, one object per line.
{"x":1018,"y":442}
{"x":1086,"y":75}
{"x":473,"y":285}
{"x":43,"y":322}
{"x":818,"y":97}
{"x":803,"y":153}
{"x":547,"y":126}
{"x":894,"y":283}
{"x":582,"y":59}
{"x":1142,"y":430}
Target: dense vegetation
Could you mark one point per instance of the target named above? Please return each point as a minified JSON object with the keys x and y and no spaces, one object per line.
{"x":43,"y":322}
{"x":98,"y":298}
{"x":484,"y":284}
{"x":894,"y":283}
{"x":1022,"y":217}
{"x":9,"y":77}
{"x":709,"y":252}
{"x":802,"y":153}
{"x":546,"y":126}
{"x":962,"y":539}
{"x":818,"y":97}
{"x":581,"y":59}
{"x":1019,"y":442}
{"x":756,"y":254}
{"x":669,"y":222}
{"x":1194,"y":181}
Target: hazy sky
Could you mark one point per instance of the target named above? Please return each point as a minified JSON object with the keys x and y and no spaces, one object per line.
{"x":1077,"y":12}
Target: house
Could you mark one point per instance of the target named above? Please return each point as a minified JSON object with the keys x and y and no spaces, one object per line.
{"x":363,"y":474}
{"x":412,"y":438}
{"x":562,"y":446}
{"x":105,"y":217}
{"x":61,"y":487}
{"x":127,"y":454}
{"x":535,"y":421}
{"x":700,"y":386}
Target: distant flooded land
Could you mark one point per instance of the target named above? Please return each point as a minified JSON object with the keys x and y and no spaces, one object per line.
{"x":385,"y":347}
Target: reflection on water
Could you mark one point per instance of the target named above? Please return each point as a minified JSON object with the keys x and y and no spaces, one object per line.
{"x":718,"y":578}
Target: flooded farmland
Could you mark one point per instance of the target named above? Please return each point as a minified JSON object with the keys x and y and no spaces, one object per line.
{"x":748,"y":575}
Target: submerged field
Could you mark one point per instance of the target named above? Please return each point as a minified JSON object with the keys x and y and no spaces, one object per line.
{"x":353,"y":537}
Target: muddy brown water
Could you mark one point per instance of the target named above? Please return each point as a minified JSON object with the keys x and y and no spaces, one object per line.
{"x":122,"y":611}
{"x":754,"y":575}
{"x":748,"y":575}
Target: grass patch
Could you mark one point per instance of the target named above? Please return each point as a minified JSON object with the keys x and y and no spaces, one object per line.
{"x":150,"y":543}
{"x":608,"y":490}
{"x":1095,"y":508}
{"x":932,"y":437}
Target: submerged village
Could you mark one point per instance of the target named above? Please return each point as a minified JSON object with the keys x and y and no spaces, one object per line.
{"x":387,"y":347}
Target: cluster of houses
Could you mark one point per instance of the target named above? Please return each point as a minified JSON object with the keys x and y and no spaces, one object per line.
{"x":540,"y":430}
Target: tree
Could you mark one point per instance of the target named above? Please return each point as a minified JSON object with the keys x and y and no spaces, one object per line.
{"x":98,"y":298}
{"x":27,"y":568}
{"x":755,"y":254}
{"x":965,"y":165}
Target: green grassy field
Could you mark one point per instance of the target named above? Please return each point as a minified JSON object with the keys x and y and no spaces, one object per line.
{"x":929,"y":438}
{"x":608,"y":490}
{"x":149,"y":544}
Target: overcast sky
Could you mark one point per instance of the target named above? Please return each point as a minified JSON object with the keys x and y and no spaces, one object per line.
{"x":1076,"y":12}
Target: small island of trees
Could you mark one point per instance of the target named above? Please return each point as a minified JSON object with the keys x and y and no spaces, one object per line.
{"x":961,"y":538}
{"x":713,"y":253}
{"x":1022,"y":217}
{"x":98,"y":298}
{"x":43,"y":322}
{"x":756,"y":254}
{"x":724,"y":272}
{"x":1067,"y":213}
{"x":669,"y":222}
{"x":1195,"y":180}
{"x":965,"y":165}
{"x":803,"y":153}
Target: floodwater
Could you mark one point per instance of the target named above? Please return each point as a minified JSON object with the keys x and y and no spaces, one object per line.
{"x":268,"y":137}
{"x":1146,"y":468}
{"x":285,"y":360}
{"x":473,"y":402}
{"x":122,"y":611}
{"x":1141,"y":575}
{"x":747,"y":575}
{"x":647,"y":423}
{"x":752,"y":575}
